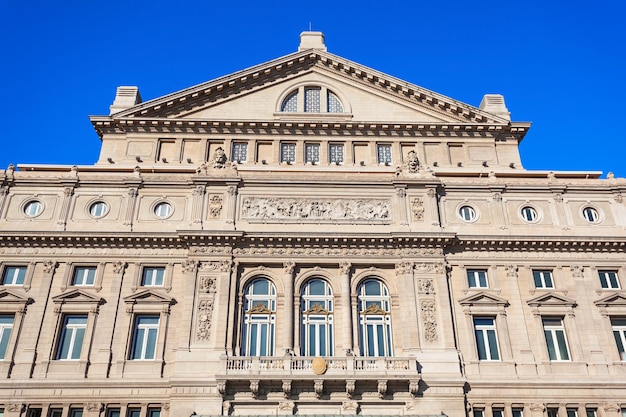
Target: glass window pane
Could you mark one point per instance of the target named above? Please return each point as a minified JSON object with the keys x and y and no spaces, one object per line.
{"x":290,"y":104}
{"x":550,"y":344}
{"x":312,"y":100}
{"x":480,"y":344}
{"x":151,"y":344}
{"x":493,"y":345}
{"x":560,"y":336}
{"x":334,"y":105}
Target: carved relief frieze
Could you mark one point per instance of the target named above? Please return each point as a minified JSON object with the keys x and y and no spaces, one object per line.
{"x":425,"y":286}
{"x":190,"y":266}
{"x":207,"y":284}
{"x":404,"y":268}
{"x":339,"y":252}
{"x":315,"y":209}
{"x":429,"y":267}
{"x":211,"y":250}
{"x":223,"y":265}
{"x":205,"y":314}
{"x":215,"y":206}
{"x":429,"y":320}
{"x":417,"y":209}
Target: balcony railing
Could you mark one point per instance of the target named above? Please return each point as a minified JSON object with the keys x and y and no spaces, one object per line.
{"x":303,"y":365}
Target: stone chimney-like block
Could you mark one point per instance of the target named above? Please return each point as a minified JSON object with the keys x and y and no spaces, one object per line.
{"x":311,"y":40}
{"x":494,"y":103}
{"x":125,"y":98}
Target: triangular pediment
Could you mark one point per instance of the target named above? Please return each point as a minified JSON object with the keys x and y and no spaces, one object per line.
{"x":10,"y":297}
{"x":551,"y":299}
{"x":612,"y":300}
{"x":483,"y":298}
{"x":77,"y":296}
{"x":258,"y":89}
{"x":148,"y":296}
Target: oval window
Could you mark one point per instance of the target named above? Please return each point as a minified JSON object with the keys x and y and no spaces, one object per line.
{"x":529,"y":214}
{"x":33,"y":208}
{"x":467,"y":213}
{"x":98,"y":209}
{"x":163,"y":210}
{"x":591,"y":215}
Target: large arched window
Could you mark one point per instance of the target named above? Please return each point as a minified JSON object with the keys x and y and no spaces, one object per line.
{"x":374,"y":319}
{"x":316,"y":332}
{"x":259,"y":321}
{"x":315,"y":100}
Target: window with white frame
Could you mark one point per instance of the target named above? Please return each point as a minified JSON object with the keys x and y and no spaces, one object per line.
{"x":609,"y":280}
{"x":154,"y":412}
{"x":259,"y":323}
{"x":288,"y":153}
{"x":593,"y":412}
{"x":478,"y":412}
{"x":374,"y":319}
{"x":6,"y":326}
{"x":312,"y":100}
{"x":529,"y":214}
{"x":84,"y":275}
{"x":517,"y":412}
{"x":312,"y":153}
{"x":477,"y":278}
{"x":467,"y":213}
{"x":572,"y":412}
{"x":619,"y":332}
{"x":72,"y":336}
{"x":556,"y":340}
{"x":486,"y":338}
{"x":145,"y":334}
{"x":333,"y":103}
{"x":543,"y":279}
{"x":316,"y":100}
{"x":591,"y":215}
{"x":384,"y":154}
{"x":335,"y":153}
{"x":497,"y":412}
{"x":316,"y":333}
{"x":13,"y":275}
{"x":240,"y":152}
{"x":152,"y":276}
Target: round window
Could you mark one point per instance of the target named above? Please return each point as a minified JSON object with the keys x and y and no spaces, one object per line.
{"x":163,"y":210}
{"x":98,"y":209}
{"x":591,"y":215}
{"x":467,"y":213}
{"x":529,"y":214}
{"x":33,"y":208}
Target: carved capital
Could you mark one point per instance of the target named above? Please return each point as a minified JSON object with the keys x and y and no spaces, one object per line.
{"x":254,"y":387}
{"x":95,"y":407}
{"x":350,"y":386}
{"x":511,"y":271}
{"x":288,"y":267}
{"x":118,"y":267}
{"x":344,"y":268}
{"x":190,"y":266}
{"x":414,"y":387}
{"x":382,"y":388}
{"x":577,"y":271}
{"x":49,"y":266}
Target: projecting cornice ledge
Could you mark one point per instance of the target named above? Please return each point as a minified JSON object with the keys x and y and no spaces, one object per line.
{"x":538,"y":244}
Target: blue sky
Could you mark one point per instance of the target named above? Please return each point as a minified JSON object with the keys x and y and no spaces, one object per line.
{"x":560,"y":65}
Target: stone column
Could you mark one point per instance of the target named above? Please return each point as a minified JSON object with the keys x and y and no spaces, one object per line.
{"x":231,"y":205}
{"x":197,"y":205}
{"x":130,"y":208}
{"x":346,"y":308}
{"x":404,"y":273}
{"x":288,"y":267}
{"x":401,"y":198}
{"x":433,"y":211}
{"x":68,"y":192}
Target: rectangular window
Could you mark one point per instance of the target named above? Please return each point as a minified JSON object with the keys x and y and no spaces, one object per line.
{"x":55,"y":412}
{"x":75,"y":412}
{"x":518,"y":412}
{"x":543,"y":279}
{"x":572,"y":412}
{"x":312,"y":102}
{"x":145,"y":334}
{"x":478,"y":412}
{"x":33,"y":412}
{"x":152,"y":277}
{"x":84,"y":275}
{"x":384,"y":154}
{"x":154,"y":412}
{"x":556,"y":340}
{"x":240,"y":152}
{"x":592,"y":412}
{"x":619,"y":331}
{"x":72,"y":335}
{"x":486,"y":339}
{"x":553,"y":412}
{"x":335,"y":154}
{"x":6,"y":325}
{"x":497,"y":412}
{"x":13,"y":275}
{"x":608,"y":280}
{"x":288,"y":153}
{"x":477,"y":278}
{"x":113,"y":412}
{"x":312,"y":153}
{"x":133,"y":412}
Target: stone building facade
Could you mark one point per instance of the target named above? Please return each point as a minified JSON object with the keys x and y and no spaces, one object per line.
{"x":310,"y":236}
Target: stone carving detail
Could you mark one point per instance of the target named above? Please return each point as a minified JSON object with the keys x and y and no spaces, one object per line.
{"x":227,"y":408}
{"x":49,"y":266}
{"x":254,"y":388}
{"x":222,"y":266}
{"x":318,"y":386}
{"x":94,"y":407}
{"x":537,"y":407}
{"x":382,"y":388}
{"x":190,"y":266}
{"x":211,"y":250}
{"x":610,"y":407}
{"x":577,"y":271}
{"x":339,"y":252}
{"x":424,"y":267}
{"x":558,"y":197}
{"x":412,"y":162}
{"x":215,"y":206}
{"x":221,"y":386}
{"x":351,"y":406}
{"x":414,"y":387}
{"x":315,"y":209}
{"x":207,"y":284}
{"x":118,"y":267}
{"x":404,"y":268}
{"x":219,"y":158}
{"x":288,"y":267}
{"x":15,"y":407}
{"x":426,"y":286}
{"x":287,"y":406}
{"x":429,"y":320}
{"x":205,"y":314}
{"x":286,"y":388}
{"x":344,"y":268}
{"x":417,"y":209}
{"x":511,"y":271}
{"x":350,"y":387}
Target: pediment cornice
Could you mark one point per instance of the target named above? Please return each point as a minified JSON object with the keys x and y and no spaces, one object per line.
{"x":551,"y":299}
{"x":612,"y":300}
{"x":484,"y":298}
{"x":77,"y":296}
{"x":12,"y":298}
{"x":149,"y":296}
{"x":246,"y":81}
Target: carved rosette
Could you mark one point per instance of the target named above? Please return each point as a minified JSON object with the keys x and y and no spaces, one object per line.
{"x":207,"y":284}
{"x":429,"y":320}
{"x":404,"y":268}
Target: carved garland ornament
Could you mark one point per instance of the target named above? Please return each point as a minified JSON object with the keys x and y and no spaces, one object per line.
{"x":429,"y":320}
{"x":417,"y":209}
{"x":205,"y":314}
{"x":315,"y":209}
{"x":215,"y":206}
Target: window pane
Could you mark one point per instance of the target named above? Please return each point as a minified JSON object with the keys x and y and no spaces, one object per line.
{"x":151,"y":344}
{"x":6,"y":325}
{"x":290,"y":104}
{"x":334,"y":105}
{"x":312,"y":153}
{"x":312,"y":100}
{"x":550,"y":344}
{"x":336,"y":154}
{"x":480,"y":344}
{"x":384,"y":154}
{"x":288,"y":152}
{"x":240,"y":152}
{"x":560,"y":337}
{"x":493,"y":345}
{"x":14,"y":275}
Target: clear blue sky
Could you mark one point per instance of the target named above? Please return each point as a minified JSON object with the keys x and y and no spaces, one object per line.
{"x":560,"y":65}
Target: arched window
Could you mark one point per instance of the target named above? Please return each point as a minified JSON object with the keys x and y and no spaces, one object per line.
{"x":374,"y":319}
{"x":315,"y":100}
{"x":259,"y":321}
{"x":316,"y":333}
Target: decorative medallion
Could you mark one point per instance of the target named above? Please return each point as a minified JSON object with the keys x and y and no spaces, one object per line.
{"x":319,"y":366}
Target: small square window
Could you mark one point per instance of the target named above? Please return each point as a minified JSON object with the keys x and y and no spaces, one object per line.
{"x":335,"y":154}
{"x":543,"y":279}
{"x":14,"y":275}
{"x":84,"y":275}
{"x":477,"y":278}
{"x":240,"y":152}
{"x":384,"y":154}
{"x":312,"y":153}
{"x":288,"y":153}
{"x":608,"y":280}
{"x":152,"y":277}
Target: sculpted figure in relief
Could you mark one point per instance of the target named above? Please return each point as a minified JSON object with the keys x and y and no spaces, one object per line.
{"x":219,"y":158}
{"x":412,"y":163}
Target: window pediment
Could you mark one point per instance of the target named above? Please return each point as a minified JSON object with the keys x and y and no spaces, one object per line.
{"x":77,"y":296}
{"x":149,"y":296}
{"x":317,"y":308}
{"x":552,"y":303}
{"x":614,"y":303}
{"x":10,"y":298}
{"x":484,"y":299}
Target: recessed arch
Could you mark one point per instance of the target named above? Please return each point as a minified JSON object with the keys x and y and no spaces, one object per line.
{"x":290,"y":94}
